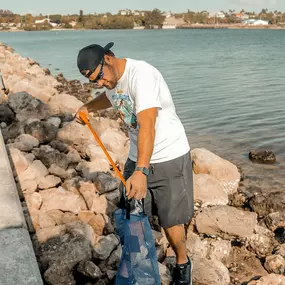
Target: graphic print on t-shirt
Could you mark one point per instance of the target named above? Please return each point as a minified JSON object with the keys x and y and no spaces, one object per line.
{"x":124,"y":106}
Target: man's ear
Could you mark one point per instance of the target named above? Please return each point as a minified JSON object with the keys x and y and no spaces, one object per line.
{"x":108,"y":59}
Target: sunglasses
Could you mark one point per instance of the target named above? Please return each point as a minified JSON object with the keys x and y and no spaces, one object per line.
{"x":100,"y":74}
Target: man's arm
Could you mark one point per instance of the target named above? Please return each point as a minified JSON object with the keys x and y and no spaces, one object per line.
{"x":146,"y":121}
{"x":101,"y":102}
{"x":136,"y":186}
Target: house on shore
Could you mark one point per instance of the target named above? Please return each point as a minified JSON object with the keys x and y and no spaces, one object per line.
{"x":172,"y":23}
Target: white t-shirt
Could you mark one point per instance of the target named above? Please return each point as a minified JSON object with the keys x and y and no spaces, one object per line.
{"x":142,"y":87}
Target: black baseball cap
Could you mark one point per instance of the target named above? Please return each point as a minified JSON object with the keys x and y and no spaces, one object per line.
{"x":91,"y":56}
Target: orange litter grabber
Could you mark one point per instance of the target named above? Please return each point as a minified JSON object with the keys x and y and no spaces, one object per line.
{"x":86,"y":121}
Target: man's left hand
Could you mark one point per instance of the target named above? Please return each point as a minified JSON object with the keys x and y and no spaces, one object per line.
{"x":136,"y":186}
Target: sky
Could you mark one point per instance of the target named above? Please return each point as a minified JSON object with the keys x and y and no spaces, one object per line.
{"x":91,"y":6}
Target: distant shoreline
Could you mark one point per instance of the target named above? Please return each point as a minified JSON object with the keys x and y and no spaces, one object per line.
{"x":192,"y":26}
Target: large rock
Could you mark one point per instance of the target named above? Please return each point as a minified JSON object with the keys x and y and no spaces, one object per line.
{"x":270,"y":279}
{"x":89,"y":269}
{"x":208,"y":191}
{"x":227,"y":222}
{"x":265,"y":204}
{"x":114,"y":140}
{"x":262,"y":156}
{"x":64,"y":103}
{"x":106,"y":244}
{"x":105,"y":182}
{"x":262,"y":241}
{"x":194,"y":245}
{"x":44,"y":132}
{"x":30,"y":177}
{"x":60,"y":199}
{"x":13,"y":130}
{"x":25,"y":142}
{"x":275,"y":220}
{"x":90,"y":170}
{"x":50,"y":156}
{"x":48,"y":181}
{"x":6,"y":114}
{"x":77,"y":135}
{"x":26,"y":106}
{"x":209,"y":272}
{"x":244,"y":265}
{"x":207,"y":162}
{"x":275,"y":264}
{"x":59,"y":256}
{"x":96,"y":221}
{"x":219,"y":249}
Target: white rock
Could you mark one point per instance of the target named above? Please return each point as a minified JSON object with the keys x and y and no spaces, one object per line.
{"x":60,"y":199}
{"x":64,"y":103}
{"x":208,"y":191}
{"x":114,"y":140}
{"x":207,"y":162}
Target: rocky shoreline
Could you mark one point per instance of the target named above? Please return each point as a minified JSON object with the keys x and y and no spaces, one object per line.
{"x":68,"y":192}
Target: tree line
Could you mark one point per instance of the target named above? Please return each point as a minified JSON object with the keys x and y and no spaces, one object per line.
{"x":148,"y":19}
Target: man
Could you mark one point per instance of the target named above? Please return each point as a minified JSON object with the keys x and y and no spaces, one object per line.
{"x":158,"y":168}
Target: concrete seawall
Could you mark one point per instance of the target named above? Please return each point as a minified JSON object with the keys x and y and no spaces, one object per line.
{"x":18,"y":264}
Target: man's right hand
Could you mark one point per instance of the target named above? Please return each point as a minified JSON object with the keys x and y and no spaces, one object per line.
{"x":77,"y":117}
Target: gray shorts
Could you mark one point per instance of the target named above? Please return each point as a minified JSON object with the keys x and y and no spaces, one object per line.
{"x":170,"y":190}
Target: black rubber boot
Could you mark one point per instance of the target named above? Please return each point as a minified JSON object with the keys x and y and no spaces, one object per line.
{"x":183,"y":273}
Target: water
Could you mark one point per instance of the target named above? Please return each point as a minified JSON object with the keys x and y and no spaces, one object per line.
{"x":228,"y":85}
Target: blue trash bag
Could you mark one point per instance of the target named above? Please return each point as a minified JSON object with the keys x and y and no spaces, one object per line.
{"x":138,"y":265}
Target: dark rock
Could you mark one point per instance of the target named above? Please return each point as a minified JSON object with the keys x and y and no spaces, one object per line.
{"x":49,"y":156}
{"x":89,"y":269}
{"x":60,"y":254}
{"x":264,"y":204}
{"x":275,"y":220}
{"x":262,"y":156}
{"x":6,"y":114}
{"x":58,"y":274}
{"x":26,"y":106}
{"x":59,"y":145}
{"x":12,"y":131}
{"x":43,"y":131}
{"x":105,"y":182}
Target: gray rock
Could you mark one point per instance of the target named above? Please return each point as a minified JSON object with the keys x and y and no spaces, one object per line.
{"x":25,"y":142}
{"x":26,"y":106}
{"x":6,"y":114}
{"x":89,"y":269}
{"x":105,"y":182}
{"x":12,"y":131}
{"x":264,"y":204}
{"x":60,"y":254}
{"x":50,"y":156}
{"x":262,"y":156}
{"x":43,"y":131}
{"x":59,"y":145}
{"x":105,"y":246}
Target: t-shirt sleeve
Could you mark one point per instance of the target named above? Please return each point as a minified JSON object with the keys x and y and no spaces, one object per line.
{"x":146,"y":89}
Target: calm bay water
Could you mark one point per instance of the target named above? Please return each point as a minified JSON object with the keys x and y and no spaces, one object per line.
{"x":228,"y":85}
